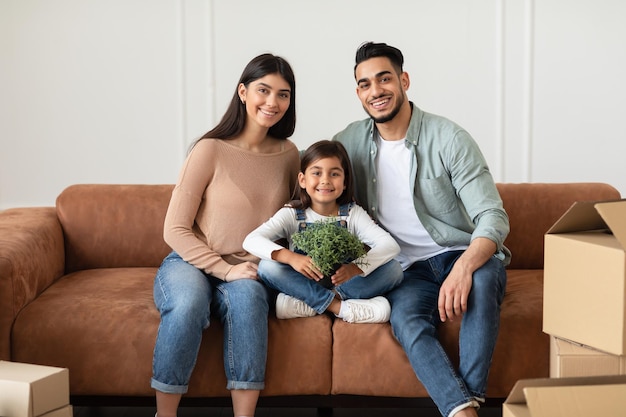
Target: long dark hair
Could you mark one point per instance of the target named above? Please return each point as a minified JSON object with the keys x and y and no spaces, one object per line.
{"x":234,"y":118}
{"x":327,"y":149}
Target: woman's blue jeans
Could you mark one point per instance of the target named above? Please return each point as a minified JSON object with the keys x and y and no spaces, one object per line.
{"x":185,"y":297}
{"x":285,"y":279}
{"x":415,"y":317}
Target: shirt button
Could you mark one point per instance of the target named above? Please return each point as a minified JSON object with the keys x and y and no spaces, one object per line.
{"x":373,"y":179}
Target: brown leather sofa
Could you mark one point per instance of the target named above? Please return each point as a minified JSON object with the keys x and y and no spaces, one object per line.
{"x":76,"y":291}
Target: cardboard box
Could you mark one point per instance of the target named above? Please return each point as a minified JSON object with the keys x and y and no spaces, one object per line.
{"x":567,"y":397}
{"x":28,"y":390}
{"x":570,"y":359}
{"x":66,"y":411}
{"x":585,"y":276}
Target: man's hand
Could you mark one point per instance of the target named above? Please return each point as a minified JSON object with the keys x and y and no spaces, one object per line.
{"x":455,"y":290}
{"x":454,"y":293}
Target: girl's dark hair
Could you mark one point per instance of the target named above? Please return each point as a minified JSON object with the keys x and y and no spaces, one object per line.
{"x":327,"y":149}
{"x":234,"y":118}
{"x":369,"y":50}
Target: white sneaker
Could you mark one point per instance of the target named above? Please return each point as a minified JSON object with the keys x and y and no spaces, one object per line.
{"x":288,"y":307}
{"x":374,"y":310}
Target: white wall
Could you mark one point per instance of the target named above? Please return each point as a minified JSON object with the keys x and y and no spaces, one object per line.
{"x":114,"y":91}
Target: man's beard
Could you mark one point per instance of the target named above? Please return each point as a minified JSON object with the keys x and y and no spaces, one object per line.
{"x":384,"y":119}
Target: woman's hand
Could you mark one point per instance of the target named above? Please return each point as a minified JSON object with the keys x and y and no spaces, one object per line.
{"x":244,"y":270}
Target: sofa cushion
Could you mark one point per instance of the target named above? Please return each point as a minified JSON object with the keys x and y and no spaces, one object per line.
{"x":102,"y":325}
{"x":112,"y":226}
{"x":534,"y":207}
{"x":96,"y":322}
{"x":522,"y":350}
{"x":367,"y":359}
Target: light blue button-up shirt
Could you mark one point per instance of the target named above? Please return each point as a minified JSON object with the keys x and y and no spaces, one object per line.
{"x":454,"y":194}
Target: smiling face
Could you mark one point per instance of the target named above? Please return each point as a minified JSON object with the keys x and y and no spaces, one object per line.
{"x":267,"y":99}
{"x":324,"y":182}
{"x":380,"y":88}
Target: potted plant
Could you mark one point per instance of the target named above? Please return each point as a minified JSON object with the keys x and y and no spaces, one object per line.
{"x":329,"y":245}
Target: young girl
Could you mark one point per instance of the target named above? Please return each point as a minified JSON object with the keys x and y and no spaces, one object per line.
{"x":326,"y":192}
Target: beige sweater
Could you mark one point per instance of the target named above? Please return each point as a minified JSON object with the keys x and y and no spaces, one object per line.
{"x":223,"y":193}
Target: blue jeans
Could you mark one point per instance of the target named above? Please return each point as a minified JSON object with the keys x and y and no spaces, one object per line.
{"x":185,"y":296}
{"x":415,"y":317}
{"x":285,"y":279}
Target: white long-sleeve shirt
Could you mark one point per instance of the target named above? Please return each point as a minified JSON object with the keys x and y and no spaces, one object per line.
{"x":383,"y":248}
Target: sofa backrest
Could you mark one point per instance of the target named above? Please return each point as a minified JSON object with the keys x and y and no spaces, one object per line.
{"x":111,"y":225}
{"x":534,"y":207}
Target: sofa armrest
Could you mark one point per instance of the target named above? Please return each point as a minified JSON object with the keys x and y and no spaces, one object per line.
{"x":32,"y":256}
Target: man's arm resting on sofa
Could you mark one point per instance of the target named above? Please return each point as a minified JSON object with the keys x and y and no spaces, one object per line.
{"x":32,"y":257}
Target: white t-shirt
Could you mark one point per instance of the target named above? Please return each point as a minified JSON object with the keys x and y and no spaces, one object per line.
{"x":396,"y":211}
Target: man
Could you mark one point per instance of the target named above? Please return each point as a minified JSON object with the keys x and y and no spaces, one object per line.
{"x":424,"y":179}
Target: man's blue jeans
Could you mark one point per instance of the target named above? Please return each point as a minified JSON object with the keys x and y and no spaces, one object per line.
{"x":284,"y":278}
{"x":415,"y":317}
{"x":185,"y":297}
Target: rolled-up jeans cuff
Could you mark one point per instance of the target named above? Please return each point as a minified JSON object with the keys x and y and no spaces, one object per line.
{"x":254,"y":386}
{"x":168,"y":389}
{"x":472,"y":403}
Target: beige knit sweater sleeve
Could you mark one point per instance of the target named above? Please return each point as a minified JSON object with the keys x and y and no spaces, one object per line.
{"x":223,"y":192}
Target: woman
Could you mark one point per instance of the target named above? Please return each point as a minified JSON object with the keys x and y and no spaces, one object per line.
{"x":234,"y":178}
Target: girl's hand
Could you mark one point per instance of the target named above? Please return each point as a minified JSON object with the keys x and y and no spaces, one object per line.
{"x":301,"y":263}
{"x":244,"y":270}
{"x":345,"y":273}
{"x":304,"y":265}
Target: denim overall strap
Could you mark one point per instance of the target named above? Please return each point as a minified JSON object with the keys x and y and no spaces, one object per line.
{"x":301,"y":217}
{"x":344,"y":211}
{"x":300,"y":214}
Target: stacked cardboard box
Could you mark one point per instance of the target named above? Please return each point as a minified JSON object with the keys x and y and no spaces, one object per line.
{"x":585,"y":276}
{"x":28,"y":390}
{"x":567,"y":397}
{"x":584,"y":312}
{"x":571,"y":359}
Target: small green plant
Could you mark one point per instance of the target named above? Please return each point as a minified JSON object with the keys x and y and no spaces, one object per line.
{"x":329,"y":245}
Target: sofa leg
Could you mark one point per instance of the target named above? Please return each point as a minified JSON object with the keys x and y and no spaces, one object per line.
{"x":324,"y":412}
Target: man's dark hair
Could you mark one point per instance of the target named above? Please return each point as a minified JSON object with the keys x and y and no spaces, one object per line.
{"x":369,"y":50}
